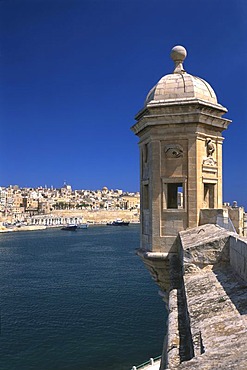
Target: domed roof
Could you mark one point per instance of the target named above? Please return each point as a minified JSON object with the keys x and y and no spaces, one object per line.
{"x":180,"y":85}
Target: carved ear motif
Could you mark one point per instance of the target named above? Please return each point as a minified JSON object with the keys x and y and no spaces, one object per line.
{"x":174,"y":151}
{"x":210,"y":147}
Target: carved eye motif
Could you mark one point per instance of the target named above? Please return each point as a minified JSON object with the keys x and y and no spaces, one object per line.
{"x":173,"y":151}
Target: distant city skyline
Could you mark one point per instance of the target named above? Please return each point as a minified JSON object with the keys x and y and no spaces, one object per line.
{"x":73,"y":74}
{"x":64,"y":184}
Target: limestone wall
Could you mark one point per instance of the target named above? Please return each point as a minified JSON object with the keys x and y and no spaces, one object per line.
{"x":237,"y":217}
{"x":217,"y":310}
{"x":100,"y":216}
{"x":207,"y":306}
{"x":238,"y":256}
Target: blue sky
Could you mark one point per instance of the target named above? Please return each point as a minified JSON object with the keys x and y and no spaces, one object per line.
{"x":74,"y":73}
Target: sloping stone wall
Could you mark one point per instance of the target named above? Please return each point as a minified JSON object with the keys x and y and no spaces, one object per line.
{"x":217,"y":305}
{"x":238,"y":256}
{"x":207,"y":322}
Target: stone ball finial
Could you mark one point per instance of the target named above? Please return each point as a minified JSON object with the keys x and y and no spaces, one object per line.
{"x":178,"y":54}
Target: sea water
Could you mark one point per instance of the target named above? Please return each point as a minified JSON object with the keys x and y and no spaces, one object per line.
{"x":77,"y":300}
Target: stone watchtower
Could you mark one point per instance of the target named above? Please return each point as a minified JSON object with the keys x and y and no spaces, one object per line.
{"x":180,"y":130}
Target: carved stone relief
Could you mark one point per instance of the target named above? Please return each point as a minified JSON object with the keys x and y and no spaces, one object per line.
{"x":173,"y":151}
{"x":209,"y":162}
{"x":210,"y":147}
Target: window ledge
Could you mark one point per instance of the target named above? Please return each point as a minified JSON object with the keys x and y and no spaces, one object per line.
{"x":174,"y":210}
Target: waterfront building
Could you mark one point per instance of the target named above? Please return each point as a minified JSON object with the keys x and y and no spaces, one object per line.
{"x":130,"y":202}
{"x":21,"y":204}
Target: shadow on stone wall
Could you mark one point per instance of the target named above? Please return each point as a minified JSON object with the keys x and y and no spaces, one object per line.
{"x":233,"y":285}
{"x":186,"y":347}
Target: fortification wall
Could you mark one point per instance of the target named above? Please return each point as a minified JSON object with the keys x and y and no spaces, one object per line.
{"x":238,"y":256}
{"x":207,"y":306}
{"x":101,"y":216}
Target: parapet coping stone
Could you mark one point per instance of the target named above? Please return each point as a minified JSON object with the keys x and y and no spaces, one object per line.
{"x":203,"y":234}
{"x":217,"y":304}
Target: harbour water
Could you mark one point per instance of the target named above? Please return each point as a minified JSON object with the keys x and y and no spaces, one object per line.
{"x":77,"y":301}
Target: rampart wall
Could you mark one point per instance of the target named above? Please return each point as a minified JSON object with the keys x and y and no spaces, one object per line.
{"x":100,"y":216}
{"x":207,"y":305}
{"x":238,"y":256}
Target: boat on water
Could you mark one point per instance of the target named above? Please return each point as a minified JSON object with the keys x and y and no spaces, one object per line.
{"x":118,"y":222}
{"x":69,"y":227}
{"x":82,"y":226}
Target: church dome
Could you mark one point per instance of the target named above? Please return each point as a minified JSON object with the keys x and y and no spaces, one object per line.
{"x":180,"y":85}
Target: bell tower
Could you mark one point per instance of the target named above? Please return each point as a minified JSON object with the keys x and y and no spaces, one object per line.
{"x":180,"y":130}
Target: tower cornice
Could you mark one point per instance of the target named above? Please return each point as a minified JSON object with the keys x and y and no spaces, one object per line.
{"x":193,"y":111}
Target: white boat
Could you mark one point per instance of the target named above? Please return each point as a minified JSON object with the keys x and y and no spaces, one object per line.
{"x":118,"y":222}
{"x":82,"y":226}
